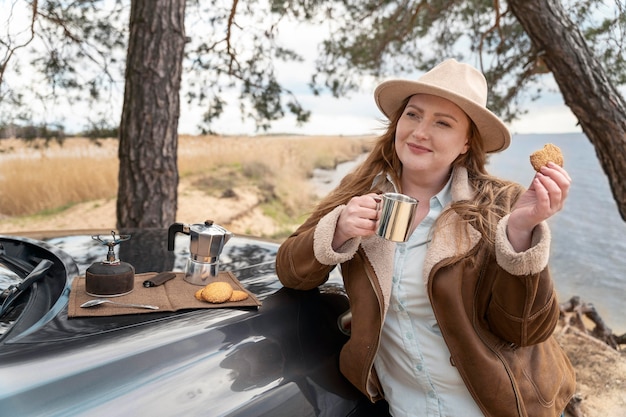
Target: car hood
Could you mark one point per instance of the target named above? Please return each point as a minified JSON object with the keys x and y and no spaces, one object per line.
{"x":243,"y":361}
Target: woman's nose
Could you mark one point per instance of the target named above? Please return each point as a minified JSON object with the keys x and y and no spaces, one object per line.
{"x":420,"y":131}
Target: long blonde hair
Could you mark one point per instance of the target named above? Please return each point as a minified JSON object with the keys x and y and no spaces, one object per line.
{"x":492,"y":196}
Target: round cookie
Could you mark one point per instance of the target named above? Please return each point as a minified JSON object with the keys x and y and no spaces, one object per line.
{"x":549,"y":153}
{"x":238,"y":295}
{"x":198,"y":295}
{"x":217,"y":292}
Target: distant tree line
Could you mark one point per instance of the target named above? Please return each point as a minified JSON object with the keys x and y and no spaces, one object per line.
{"x":54,"y":132}
{"x":30,"y":132}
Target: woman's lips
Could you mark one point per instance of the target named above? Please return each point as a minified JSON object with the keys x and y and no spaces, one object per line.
{"x":418,"y":148}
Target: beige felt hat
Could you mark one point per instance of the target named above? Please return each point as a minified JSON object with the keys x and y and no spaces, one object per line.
{"x":460,"y":83}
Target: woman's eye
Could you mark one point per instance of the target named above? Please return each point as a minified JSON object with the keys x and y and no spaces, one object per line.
{"x":412,"y":114}
{"x":443,"y":123}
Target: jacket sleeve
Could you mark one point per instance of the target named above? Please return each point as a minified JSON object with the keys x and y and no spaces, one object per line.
{"x":524,"y":308}
{"x":306,"y":258}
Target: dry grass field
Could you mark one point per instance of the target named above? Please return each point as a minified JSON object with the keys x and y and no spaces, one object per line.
{"x":254,"y":185}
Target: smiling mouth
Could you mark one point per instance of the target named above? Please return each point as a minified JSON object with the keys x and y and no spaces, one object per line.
{"x":415,"y":147}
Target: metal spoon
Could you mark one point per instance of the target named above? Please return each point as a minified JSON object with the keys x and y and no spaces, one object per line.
{"x":98,"y":301}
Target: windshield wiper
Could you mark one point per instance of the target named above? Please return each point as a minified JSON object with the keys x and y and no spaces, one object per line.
{"x":12,"y":292}
{"x":17,"y":265}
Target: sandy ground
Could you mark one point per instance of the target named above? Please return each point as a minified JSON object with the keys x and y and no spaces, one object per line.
{"x":240,"y":214}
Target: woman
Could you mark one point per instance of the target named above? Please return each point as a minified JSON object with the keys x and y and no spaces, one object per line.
{"x":459,"y":319}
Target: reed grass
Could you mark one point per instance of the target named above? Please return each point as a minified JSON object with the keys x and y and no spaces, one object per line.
{"x":50,"y":185}
{"x":280,"y":166}
{"x":42,"y":181}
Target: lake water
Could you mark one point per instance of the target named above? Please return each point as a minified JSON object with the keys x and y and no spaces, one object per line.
{"x":588,"y":255}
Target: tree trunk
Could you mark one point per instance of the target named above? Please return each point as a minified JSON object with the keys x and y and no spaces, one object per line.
{"x":148,"y":174}
{"x":596,"y":103}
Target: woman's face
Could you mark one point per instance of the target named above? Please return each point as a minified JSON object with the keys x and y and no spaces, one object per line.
{"x":431,"y":133}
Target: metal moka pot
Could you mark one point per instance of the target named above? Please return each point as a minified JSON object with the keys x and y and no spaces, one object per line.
{"x":205,"y":246}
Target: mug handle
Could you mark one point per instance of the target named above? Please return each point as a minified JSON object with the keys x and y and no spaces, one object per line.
{"x":378,"y":199}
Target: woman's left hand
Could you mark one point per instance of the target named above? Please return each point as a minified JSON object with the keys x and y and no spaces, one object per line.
{"x":545,"y":197}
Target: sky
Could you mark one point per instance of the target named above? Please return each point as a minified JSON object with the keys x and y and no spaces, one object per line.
{"x":353,"y":115}
{"x":358,"y":114}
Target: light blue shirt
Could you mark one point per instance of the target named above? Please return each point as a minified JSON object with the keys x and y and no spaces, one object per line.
{"x":413,"y":361}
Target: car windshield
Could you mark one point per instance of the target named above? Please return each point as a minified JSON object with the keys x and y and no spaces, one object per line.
{"x":7,"y":277}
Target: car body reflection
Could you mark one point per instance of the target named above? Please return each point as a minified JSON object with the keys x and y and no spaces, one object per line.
{"x":278,"y":360}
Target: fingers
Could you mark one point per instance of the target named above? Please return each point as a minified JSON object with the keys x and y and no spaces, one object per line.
{"x":552,"y":186}
{"x":560,"y":169}
{"x":360,"y":216}
{"x":365,"y":206}
{"x":545,"y":197}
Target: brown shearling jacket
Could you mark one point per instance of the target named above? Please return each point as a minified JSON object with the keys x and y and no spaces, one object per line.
{"x":496,"y":313}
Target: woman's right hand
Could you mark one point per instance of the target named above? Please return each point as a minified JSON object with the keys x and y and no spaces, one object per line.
{"x":358,"y":218}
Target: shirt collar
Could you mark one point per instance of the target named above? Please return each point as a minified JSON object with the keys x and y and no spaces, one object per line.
{"x":384,"y":180}
{"x":444,"y":197}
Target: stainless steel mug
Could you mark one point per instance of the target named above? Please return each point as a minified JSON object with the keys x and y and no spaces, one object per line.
{"x":397,"y":212}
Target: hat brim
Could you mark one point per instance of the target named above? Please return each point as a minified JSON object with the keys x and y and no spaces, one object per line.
{"x":389,"y":96}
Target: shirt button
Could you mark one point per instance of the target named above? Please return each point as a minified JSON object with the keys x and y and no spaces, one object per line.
{"x":431,"y":394}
